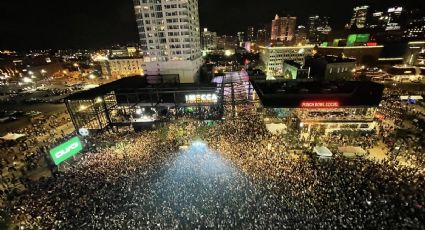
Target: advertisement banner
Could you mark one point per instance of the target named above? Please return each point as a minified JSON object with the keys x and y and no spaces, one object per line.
{"x":66,"y":150}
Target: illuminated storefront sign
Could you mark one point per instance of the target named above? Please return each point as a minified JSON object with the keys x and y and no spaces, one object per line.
{"x":319,"y":104}
{"x":201,"y":98}
{"x":66,"y":150}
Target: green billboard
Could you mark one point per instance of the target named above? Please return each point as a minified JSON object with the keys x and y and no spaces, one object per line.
{"x":357,"y":38}
{"x":66,"y":150}
{"x":351,"y":39}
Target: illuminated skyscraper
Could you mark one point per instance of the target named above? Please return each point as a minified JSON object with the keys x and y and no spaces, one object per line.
{"x":208,"y":40}
{"x":379,"y":20}
{"x":394,"y":16}
{"x":318,"y":28}
{"x":241,"y":36}
{"x":359,"y":17}
{"x":263,"y":35}
{"x":283,"y":29}
{"x":170,"y":37}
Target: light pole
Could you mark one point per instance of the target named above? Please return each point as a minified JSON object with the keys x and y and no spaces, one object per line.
{"x":43,"y":72}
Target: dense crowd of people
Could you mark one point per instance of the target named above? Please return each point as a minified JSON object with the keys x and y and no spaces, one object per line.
{"x":141,"y":181}
{"x":25,"y":154}
{"x":352,"y":194}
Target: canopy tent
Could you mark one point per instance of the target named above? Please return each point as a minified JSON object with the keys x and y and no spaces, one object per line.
{"x":12,"y":136}
{"x":352,"y":151}
{"x":276,"y":128}
{"x":322,"y":151}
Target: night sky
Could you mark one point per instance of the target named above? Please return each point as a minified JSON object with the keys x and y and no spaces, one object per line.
{"x":36,"y":24}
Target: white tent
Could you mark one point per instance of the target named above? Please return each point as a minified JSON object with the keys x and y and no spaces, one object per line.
{"x":276,"y":128}
{"x":322,"y":151}
{"x":351,"y":151}
{"x":12,"y":136}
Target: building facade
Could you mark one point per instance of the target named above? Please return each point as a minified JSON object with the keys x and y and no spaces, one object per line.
{"x":263,"y":35}
{"x":318,"y":28}
{"x":170,"y":36}
{"x":209,"y":40}
{"x":364,"y":55}
{"x":123,"y":67}
{"x":283,"y":29}
{"x":359,"y":18}
{"x":415,"y":25}
{"x":330,"y":68}
{"x":250,"y":34}
{"x":226,"y":42}
{"x":378,"y":20}
{"x":394,"y":18}
{"x":241,"y":37}
{"x":272,"y":58}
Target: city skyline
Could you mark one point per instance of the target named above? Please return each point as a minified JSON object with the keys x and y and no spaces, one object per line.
{"x":90,"y":25}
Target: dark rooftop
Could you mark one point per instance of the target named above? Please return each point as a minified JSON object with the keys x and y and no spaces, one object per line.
{"x":293,"y":63}
{"x":333,"y":59}
{"x":290,"y":94}
{"x":139,"y":82}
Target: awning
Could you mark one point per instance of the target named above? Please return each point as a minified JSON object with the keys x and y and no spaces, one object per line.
{"x":12,"y":136}
{"x":322,"y":151}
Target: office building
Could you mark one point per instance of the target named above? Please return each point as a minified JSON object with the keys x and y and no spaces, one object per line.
{"x":118,"y":67}
{"x":301,"y":35}
{"x":272,"y":58}
{"x":318,"y":28}
{"x":124,"y":52}
{"x":378,"y":20}
{"x":415,"y":29}
{"x":250,"y":34}
{"x":283,"y":29}
{"x":359,"y":18}
{"x":415,"y":25}
{"x":364,"y":55}
{"x":170,"y":37}
{"x":263,"y":35}
{"x":226,"y":42}
{"x":394,"y":18}
{"x":241,"y":37}
{"x":294,"y":71}
{"x":208,"y":40}
{"x":330,"y":68}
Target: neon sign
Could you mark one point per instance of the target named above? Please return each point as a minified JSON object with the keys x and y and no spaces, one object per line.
{"x":66,"y":150}
{"x":319,"y":104}
{"x":201,"y":98}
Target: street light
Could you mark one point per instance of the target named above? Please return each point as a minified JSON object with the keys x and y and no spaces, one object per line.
{"x":83,"y":107}
{"x":27,"y":80}
{"x":92,"y":76}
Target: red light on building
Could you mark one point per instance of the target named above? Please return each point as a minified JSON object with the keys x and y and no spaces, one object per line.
{"x":319,"y":104}
{"x":372,"y":44}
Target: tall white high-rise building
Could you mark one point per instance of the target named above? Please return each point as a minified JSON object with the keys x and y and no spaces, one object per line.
{"x":170,"y":37}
